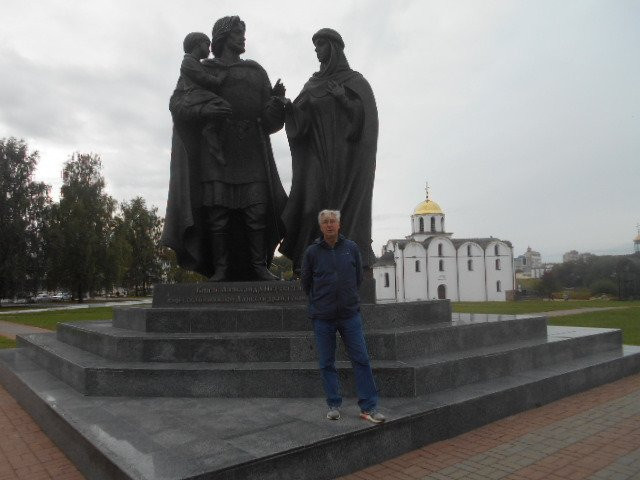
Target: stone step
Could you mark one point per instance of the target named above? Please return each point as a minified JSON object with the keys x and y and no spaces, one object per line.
{"x":464,"y":332}
{"x":268,"y":439}
{"x":94,"y":375}
{"x":269,"y":318}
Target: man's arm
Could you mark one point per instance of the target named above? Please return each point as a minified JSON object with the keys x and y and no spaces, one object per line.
{"x":358,"y":266}
{"x":306,"y":271}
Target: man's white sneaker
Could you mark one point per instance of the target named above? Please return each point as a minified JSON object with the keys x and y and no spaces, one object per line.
{"x":333,"y":413}
{"x":373,"y":416}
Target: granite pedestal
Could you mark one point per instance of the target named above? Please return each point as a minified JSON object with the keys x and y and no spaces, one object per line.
{"x":222,"y":386}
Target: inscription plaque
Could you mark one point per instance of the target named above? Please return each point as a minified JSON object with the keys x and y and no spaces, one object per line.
{"x":228,"y":293}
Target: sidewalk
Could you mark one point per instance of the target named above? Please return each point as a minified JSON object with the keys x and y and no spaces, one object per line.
{"x":10,"y":330}
{"x":25,"y":452}
{"x":76,"y":306}
{"x":575,"y":311}
{"x":592,"y":435}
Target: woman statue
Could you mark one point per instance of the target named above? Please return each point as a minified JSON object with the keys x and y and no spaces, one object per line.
{"x":332,"y":127}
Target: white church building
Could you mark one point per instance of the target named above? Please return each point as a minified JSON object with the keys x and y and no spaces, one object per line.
{"x":430,"y":264}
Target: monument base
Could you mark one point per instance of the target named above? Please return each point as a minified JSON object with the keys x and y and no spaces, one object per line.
{"x":218,"y":387}
{"x":113,"y":438}
{"x":186,"y":295}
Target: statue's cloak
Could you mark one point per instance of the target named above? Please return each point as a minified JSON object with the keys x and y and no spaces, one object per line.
{"x":333,"y":151}
{"x":184,"y":229}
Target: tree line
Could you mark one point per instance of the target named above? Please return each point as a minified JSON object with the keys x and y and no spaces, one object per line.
{"x":85,"y":242}
{"x":611,"y":275}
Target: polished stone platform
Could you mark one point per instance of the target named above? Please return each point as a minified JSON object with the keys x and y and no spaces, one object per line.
{"x":230,"y":392}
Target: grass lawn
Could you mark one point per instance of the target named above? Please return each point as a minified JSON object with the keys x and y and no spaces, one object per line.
{"x":51,"y":318}
{"x":7,"y":343}
{"x":627,"y":320}
{"x":535,"y":306}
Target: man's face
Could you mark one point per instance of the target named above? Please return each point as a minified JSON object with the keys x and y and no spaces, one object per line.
{"x":329,"y":226}
{"x":236,"y":39}
{"x":323,"y":50}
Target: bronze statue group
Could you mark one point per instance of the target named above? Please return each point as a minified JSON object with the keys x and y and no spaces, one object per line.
{"x":227,"y":210}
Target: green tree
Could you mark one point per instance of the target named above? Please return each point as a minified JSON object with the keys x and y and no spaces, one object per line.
{"x":548,"y":284}
{"x":81,"y":227}
{"x":140,"y":227}
{"x":23,"y":210}
{"x":172,"y":273}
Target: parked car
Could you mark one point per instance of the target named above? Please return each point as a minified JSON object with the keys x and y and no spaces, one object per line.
{"x":42,"y":297}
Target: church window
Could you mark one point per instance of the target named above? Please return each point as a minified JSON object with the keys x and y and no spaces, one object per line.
{"x":470,"y":265}
{"x":386,"y":280}
{"x":421,"y":224}
{"x":442,"y":292}
{"x":497,"y":264}
{"x":441,"y":265}
{"x":498,"y":286}
{"x":468,"y":250}
{"x":417,"y":265}
{"x":433,"y":224}
{"x":442,"y":224}
{"x":496,"y":250}
{"x":439,"y":249}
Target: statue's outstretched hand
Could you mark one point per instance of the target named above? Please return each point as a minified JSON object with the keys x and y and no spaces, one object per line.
{"x":278,"y":89}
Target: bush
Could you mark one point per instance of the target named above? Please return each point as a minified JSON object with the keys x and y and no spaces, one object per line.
{"x":579,"y":294}
{"x":604,"y":286}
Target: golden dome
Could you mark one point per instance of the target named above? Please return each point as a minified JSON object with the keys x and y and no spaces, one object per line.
{"x":427,"y":207}
{"x":637,"y":239}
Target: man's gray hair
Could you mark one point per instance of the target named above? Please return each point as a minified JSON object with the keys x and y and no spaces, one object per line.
{"x":328,"y":213}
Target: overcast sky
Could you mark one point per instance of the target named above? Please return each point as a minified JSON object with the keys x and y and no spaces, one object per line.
{"x":523,"y":116}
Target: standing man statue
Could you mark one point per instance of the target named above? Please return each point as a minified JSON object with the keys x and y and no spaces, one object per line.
{"x":224,"y":208}
{"x":331,"y":275}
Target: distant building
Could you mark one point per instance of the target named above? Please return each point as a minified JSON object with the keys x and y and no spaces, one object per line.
{"x":529,"y":264}
{"x":430,"y":264}
{"x":574,"y":256}
{"x":636,"y":241}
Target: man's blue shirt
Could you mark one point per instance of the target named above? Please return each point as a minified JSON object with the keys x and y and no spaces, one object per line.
{"x":331,"y":278}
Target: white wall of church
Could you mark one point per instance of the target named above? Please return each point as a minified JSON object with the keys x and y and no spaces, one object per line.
{"x":471,"y":268}
{"x":385,"y":277}
{"x":441,"y":262}
{"x":415,"y":272}
{"x":499,"y":267}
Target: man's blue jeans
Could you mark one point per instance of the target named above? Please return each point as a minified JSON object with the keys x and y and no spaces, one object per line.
{"x":353,"y":337}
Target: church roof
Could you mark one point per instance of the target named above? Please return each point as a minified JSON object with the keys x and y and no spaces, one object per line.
{"x":637,"y":239}
{"x":427,"y":207}
{"x":385,"y":260}
{"x":483,"y":242}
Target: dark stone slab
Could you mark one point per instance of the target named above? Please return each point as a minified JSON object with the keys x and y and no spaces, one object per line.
{"x":264,"y":366}
{"x":242,"y":318}
{"x":277,"y":345}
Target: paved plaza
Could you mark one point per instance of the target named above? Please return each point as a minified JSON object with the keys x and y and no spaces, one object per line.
{"x":592,"y":435}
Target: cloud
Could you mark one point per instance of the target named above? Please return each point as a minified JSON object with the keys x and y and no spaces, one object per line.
{"x":523,"y":117}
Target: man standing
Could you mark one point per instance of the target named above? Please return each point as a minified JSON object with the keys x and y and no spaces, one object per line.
{"x":223,"y":211}
{"x":331,"y":275}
